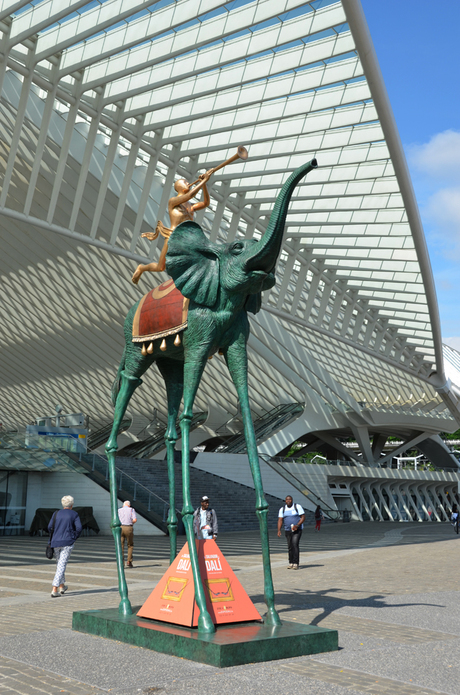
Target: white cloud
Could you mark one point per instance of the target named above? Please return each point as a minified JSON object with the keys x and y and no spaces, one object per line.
{"x":442,"y":210}
{"x":439,"y":158}
{"x":452,"y":342}
{"x":435,"y":169}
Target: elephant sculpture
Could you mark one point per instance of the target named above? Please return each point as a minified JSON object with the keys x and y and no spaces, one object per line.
{"x":223,"y":282}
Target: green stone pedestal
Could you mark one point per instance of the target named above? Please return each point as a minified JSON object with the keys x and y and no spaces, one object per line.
{"x":230,"y":645}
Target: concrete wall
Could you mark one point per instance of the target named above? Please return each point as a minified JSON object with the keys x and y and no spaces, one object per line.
{"x":236,"y":467}
{"x":46,"y":489}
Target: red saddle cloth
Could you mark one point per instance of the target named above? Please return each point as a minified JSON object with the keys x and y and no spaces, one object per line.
{"x":161,"y":312}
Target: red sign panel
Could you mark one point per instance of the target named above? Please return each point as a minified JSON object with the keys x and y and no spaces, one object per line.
{"x":173,"y":599}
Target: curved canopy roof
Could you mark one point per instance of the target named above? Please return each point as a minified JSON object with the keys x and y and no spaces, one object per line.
{"x":104,"y":104}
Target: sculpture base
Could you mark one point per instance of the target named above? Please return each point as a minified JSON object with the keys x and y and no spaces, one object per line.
{"x":230,"y":645}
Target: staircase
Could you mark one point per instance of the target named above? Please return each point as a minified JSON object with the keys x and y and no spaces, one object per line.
{"x":234,"y":503}
{"x":152,"y":506}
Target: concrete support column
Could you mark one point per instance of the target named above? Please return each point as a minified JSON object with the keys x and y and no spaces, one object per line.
{"x":430,"y":492}
{"x":355,"y":506}
{"x":403,"y":504}
{"x":387,"y":486}
{"x":411,"y":502}
{"x":441,"y":502}
{"x":378,"y":488}
{"x":358,"y":488}
{"x":373,"y":501}
{"x":421,"y":501}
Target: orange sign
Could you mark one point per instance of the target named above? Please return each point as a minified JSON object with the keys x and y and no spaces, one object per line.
{"x":173,"y":599}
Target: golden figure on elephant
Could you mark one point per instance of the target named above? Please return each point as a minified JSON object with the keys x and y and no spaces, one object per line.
{"x":180,"y":210}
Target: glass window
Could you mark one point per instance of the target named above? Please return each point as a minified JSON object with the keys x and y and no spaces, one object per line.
{"x":13,"y":493}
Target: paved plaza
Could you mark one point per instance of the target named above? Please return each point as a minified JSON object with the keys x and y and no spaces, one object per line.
{"x":390,"y":589}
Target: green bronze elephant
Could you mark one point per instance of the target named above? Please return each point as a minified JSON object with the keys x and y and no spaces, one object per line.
{"x":222,"y":282}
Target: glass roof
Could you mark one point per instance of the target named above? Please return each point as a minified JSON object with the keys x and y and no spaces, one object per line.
{"x":104,"y":104}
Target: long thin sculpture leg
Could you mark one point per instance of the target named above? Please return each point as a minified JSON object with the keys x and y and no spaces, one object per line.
{"x":192,"y":376}
{"x":172,"y":372}
{"x":237,"y":362}
{"x":127,"y":386}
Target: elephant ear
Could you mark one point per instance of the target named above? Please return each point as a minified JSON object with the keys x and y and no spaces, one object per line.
{"x":193,"y":264}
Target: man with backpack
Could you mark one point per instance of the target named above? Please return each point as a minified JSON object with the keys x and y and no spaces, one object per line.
{"x":292,"y":517}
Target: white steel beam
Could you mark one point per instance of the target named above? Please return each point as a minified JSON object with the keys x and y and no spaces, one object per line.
{"x":200,"y":34}
{"x":39,"y":17}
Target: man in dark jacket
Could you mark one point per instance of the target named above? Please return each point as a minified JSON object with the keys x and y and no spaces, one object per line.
{"x":205,"y":520}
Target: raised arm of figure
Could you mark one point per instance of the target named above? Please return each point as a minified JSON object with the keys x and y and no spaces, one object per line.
{"x":206,"y":199}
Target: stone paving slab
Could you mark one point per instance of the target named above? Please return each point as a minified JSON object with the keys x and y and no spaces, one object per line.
{"x":356,"y":680}
{"x":391,"y":590}
{"x":16,"y":677}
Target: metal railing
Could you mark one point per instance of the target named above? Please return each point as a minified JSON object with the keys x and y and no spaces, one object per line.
{"x":147,"y":447}
{"x":100,"y":436}
{"x":133,"y":488}
{"x":276,"y":463}
{"x":268,"y":423}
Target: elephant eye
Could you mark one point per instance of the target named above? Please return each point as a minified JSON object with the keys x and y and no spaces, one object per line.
{"x":237,"y":247}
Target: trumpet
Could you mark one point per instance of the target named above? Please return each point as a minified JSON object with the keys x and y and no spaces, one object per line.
{"x":241,"y":153}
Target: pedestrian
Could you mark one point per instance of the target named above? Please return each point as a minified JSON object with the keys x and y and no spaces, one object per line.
{"x":205,"y":521}
{"x":67,"y":528}
{"x":319,"y":516}
{"x":293,"y":516}
{"x":128,"y":518}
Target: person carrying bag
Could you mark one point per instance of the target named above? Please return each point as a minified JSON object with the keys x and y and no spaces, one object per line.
{"x":49,"y":552}
{"x":66,"y":530}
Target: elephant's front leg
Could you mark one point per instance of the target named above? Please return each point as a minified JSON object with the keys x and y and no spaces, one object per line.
{"x":172,"y":372}
{"x":193,"y":370}
{"x":128,"y":383}
{"x":237,"y":361}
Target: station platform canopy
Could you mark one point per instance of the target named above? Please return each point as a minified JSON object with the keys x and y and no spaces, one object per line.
{"x":104,"y":104}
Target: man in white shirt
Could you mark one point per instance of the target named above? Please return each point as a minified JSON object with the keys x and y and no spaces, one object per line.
{"x":128,"y":518}
{"x":292,"y":516}
{"x":205,"y":521}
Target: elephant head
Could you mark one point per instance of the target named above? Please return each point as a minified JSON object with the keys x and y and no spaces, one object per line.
{"x":200,"y":268}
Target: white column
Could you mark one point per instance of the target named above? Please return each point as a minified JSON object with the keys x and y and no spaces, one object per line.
{"x":150,"y":173}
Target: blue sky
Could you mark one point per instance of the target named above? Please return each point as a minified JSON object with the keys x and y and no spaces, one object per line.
{"x":418,"y":48}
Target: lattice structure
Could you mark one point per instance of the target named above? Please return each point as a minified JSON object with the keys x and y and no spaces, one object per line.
{"x":105,"y":103}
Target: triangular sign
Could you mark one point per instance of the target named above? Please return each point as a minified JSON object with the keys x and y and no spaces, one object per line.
{"x":173,"y":599}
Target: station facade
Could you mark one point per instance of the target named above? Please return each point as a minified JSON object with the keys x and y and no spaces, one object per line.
{"x":102,"y":109}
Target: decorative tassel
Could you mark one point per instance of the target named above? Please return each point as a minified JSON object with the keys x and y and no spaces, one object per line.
{"x":177,"y":340}
{"x":144,"y":350}
{"x":163,"y":345}
{"x":150,"y":348}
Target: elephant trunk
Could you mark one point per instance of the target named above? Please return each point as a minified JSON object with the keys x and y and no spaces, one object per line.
{"x":265,"y":254}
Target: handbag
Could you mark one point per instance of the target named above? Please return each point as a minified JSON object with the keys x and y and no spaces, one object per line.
{"x":49,"y":552}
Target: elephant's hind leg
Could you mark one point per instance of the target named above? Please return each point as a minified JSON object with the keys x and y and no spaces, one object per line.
{"x":237,"y":361}
{"x":172,"y":372}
